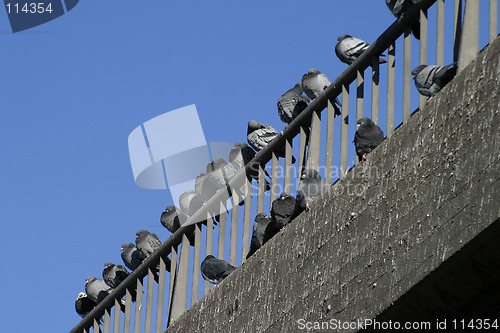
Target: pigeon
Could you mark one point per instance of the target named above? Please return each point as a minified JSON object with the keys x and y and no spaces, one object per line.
{"x":84,"y":305}
{"x":215,"y":270}
{"x":131,"y":256}
{"x":349,"y":48}
{"x":190,"y":202}
{"x":258,"y":233}
{"x":429,"y":80}
{"x":172,"y":219}
{"x":398,"y":7}
{"x":367,"y":137}
{"x":314,"y":82}
{"x":147,"y":242}
{"x":292,"y":103}
{"x":283,"y":210}
{"x":113,"y":275}
{"x":309,"y":188}
{"x":240,"y":155}
{"x":259,"y":136}
{"x":221,"y":172}
{"x":206,"y":188}
{"x":97,"y":290}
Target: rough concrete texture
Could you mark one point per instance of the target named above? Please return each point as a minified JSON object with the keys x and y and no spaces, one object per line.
{"x":418,"y":199}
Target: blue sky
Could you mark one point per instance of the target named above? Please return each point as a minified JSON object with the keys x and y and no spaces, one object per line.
{"x":72,"y":91}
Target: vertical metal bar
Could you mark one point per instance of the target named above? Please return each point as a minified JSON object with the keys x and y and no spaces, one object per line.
{"x":209,"y":246}
{"x":274,"y":178}
{"x":96,"y":325}
{"x":180,"y":291}
{"x":423,"y":48}
{"x":469,"y":46}
{"x":117,"y":314}
{"x":287,"y":185}
{"x":406,"y":75}
{"x":222,"y":230}
{"x":260,"y":195}
{"x":391,"y":79}
{"x":196,"y":263}
{"x":302,"y":149}
{"x":344,"y":128}
{"x":493,"y":19}
{"x":314,"y":141}
{"x":161,"y":294}
{"x":375,"y":88}
{"x":234,"y":229}
{"x":457,"y":29}
{"x":128,"y":310}
{"x":107,"y":320}
{"x":86,"y":330}
{"x":246,"y":220}
{"x":138,"y":307}
{"x":360,"y":94}
{"x":329,"y":142}
{"x":173,"y":278}
{"x":440,"y":33}
{"x":149,"y":301}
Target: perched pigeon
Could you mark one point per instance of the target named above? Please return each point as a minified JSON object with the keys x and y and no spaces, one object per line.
{"x":349,"y":48}
{"x":314,"y":82}
{"x":215,"y":270}
{"x":131,"y":256}
{"x":258,"y":233}
{"x":113,"y":275}
{"x":221,"y":172}
{"x":147,"y":242}
{"x":260,"y":135}
{"x":190,"y":202}
{"x":283,"y":210}
{"x":309,"y":188}
{"x":83,"y":304}
{"x":367,"y":137}
{"x":429,"y":80}
{"x":398,"y":7}
{"x":206,"y":188}
{"x":172,"y":219}
{"x":240,"y":155}
{"x":292,"y":103}
{"x":97,"y":290}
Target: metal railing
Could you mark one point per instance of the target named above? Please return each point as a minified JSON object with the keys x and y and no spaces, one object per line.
{"x":318,"y":153}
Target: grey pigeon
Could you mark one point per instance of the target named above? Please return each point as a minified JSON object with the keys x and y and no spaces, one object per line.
{"x":398,"y":7}
{"x":240,"y":155}
{"x":147,"y":242}
{"x":259,"y":136}
{"x":215,"y":270}
{"x":258,"y":233}
{"x":429,"y":80}
{"x":113,"y":274}
{"x":309,"y":188}
{"x":190,"y":202}
{"x":172,"y":219}
{"x":207,"y":188}
{"x":349,"y":48}
{"x":367,"y":137}
{"x":131,"y":256}
{"x":221,"y":172}
{"x":97,"y":290}
{"x":292,"y":103}
{"x":84,"y":305}
{"x":314,"y":82}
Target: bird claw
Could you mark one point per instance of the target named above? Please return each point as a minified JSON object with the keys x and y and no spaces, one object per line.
{"x":307,"y":207}
{"x":363,"y":158}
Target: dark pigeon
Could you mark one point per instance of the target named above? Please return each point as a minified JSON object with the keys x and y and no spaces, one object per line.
{"x":215,"y":270}
{"x":258,"y":233}
{"x":282,"y":210}
{"x":172,"y":219}
{"x":259,"y":136}
{"x":131,"y":256}
{"x":113,"y":275}
{"x":314,"y":82}
{"x":349,"y":48}
{"x":292,"y":103}
{"x":190,"y":202}
{"x":147,"y":242}
{"x":309,"y":188}
{"x":240,"y":155}
{"x":97,"y":290}
{"x":206,"y":188}
{"x":398,"y":7}
{"x":367,"y":137}
{"x":429,"y":80}
{"x":84,"y":305}
{"x":221,"y":172}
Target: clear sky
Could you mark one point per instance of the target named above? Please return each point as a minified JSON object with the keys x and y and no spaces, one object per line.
{"x":73,"y":89}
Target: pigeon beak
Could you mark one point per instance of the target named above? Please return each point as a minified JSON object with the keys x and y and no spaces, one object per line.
{"x":358,"y":126}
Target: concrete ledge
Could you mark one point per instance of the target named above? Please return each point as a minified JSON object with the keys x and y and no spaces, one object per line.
{"x":370,"y":243}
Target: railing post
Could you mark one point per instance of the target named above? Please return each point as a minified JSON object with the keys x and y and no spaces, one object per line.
{"x":440,"y":33}
{"x":407,"y":75}
{"x":314,"y":142}
{"x":391,"y":78}
{"x":330,"y":125}
{"x":423,"y":48}
{"x":457,"y":29}
{"x":493,"y":19}
{"x":344,"y":130}
{"x":246,"y":219}
{"x":469,"y":46}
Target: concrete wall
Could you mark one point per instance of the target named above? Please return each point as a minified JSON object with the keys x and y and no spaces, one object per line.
{"x":419,"y":198}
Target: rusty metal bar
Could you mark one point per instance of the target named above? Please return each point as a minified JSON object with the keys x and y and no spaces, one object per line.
{"x":440,"y":33}
{"x":407,"y":75}
{"x":260,"y":194}
{"x":274,"y":178}
{"x":287,"y":183}
{"x":117,"y":314}
{"x":423,"y":48}
{"x":149,"y":302}
{"x":375,"y":88}
{"x":329,"y":142}
{"x":391,"y":79}
{"x":128,"y":310}
{"x":196,"y":264}
{"x":138,"y":306}
{"x":493,"y":19}
{"x":246,"y":219}
{"x":344,"y":129}
{"x":234,"y":228}
{"x":161,"y":295}
{"x":314,"y":142}
{"x":209,"y":246}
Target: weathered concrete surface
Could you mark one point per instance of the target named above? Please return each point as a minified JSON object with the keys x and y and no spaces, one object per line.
{"x":419,"y":198}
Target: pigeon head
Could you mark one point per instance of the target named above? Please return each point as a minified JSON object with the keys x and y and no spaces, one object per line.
{"x":364,"y":122}
{"x":127,"y":246}
{"x":170,"y":209}
{"x":313,"y":71}
{"x":260,"y":217}
{"x":81,"y":295}
{"x":209,"y":257}
{"x":341,"y":38}
{"x":108,"y":264}
{"x":142,"y":232}
{"x":90,"y":279}
{"x":298,"y":87}
{"x":241,"y":145}
{"x":283,"y":196}
{"x":310,"y":173}
{"x":252,"y":126}
{"x":417,"y":70}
